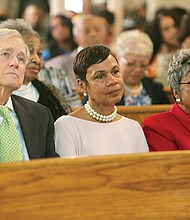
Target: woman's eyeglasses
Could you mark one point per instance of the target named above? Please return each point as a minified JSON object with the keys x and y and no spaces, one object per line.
{"x":134,"y":64}
{"x":184,"y":83}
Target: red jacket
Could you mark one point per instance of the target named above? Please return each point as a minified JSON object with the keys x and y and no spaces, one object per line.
{"x":168,"y":130}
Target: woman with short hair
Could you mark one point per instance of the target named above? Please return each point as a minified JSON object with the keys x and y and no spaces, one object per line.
{"x":171,"y":130}
{"x":134,"y":50}
{"x":97,"y":128}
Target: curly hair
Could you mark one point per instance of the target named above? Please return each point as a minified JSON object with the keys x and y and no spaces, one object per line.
{"x":179,"y":67}
{"x":19,"y":24}
{"x":134,"y":42}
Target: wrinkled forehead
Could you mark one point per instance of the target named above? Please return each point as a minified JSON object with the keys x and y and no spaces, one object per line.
{"x":14,"y":44}
{"x":93,"y":21}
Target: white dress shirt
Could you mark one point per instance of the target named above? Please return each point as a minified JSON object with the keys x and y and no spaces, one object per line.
{"x":24,"y":151}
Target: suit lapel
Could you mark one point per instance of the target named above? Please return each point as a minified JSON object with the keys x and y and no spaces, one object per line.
{"x":28,"y":125}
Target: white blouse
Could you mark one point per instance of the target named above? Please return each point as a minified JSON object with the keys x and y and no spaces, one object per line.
{"x":78,"y":137}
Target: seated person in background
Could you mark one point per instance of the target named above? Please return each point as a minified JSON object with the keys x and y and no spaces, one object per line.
{"x":96,"y":128}
{"x":32,"y":88}
{"x":110,"y":18}
{"x":60,"y":39}
{"x":184,"y":37}
{"x":164,"y":33}
{"x":59,"y":78}
{"x":89,"y":30}
{"x":134,"y":50}
{"x":26,"y":130}
{"x":171,"y":130}
{"x":36,"y":14}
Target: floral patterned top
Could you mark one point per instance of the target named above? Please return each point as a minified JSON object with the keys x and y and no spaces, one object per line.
{"x":142,"y":99}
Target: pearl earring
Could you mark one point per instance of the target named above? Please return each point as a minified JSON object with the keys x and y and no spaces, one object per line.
{"x":84,"y":94}
{"x":178,"y":100}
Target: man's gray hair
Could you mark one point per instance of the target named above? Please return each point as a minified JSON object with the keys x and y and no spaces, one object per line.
{"x":6,"y":33}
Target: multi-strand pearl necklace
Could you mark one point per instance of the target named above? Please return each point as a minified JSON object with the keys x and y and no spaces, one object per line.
{"x":99,"y":117}
{"x":134,"y":91}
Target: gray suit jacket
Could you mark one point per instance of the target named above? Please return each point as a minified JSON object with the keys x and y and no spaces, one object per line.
{"x":37,"y":127}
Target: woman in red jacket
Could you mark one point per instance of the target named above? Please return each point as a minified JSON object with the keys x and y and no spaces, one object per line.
{"x":171,"y":130}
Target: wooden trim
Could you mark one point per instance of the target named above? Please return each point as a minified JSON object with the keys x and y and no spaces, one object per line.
{"x":135,"y":186}
{"x":139,"y":113}
{"x":143,"y":109}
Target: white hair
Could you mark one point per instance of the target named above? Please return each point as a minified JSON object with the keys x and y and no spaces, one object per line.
{"x":7,"y":33}
{"x":133,"y":42}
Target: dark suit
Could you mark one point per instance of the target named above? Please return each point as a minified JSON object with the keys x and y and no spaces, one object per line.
{"x":37,"y":127}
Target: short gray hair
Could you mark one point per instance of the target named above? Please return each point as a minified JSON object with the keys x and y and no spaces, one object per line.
{"x":22,"y":26}
{"x":6,"y":33}
{"x":134,"y":42}
{"x":179,"y":67}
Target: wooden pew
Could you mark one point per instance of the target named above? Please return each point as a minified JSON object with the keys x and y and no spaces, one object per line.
{"x":135,"y":186}
{"x":139,"y":113}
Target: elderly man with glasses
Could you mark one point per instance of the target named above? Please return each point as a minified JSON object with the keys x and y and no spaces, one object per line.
{"x":26,"y":128}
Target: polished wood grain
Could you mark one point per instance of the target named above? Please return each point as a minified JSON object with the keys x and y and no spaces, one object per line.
{"x":137,"y":186}
{"x":139,"y":113}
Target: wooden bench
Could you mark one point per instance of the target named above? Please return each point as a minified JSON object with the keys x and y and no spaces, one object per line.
{"x":135,"y":186}
{"x":139,"y":113}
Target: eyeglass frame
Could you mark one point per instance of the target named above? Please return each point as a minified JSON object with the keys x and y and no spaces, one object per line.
{"x":184,"y":83}
{"x":11,"y":55}
{"x":133,"y":65}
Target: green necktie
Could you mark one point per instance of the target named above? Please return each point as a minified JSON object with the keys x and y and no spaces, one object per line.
{"x":9,"y":141}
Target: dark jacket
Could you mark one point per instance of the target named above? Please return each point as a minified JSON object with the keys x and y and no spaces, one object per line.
{"x":37,"y":127}
{"x":52,"y":99}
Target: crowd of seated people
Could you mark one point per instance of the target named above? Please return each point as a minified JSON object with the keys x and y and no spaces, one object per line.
{"x":80,"y":66}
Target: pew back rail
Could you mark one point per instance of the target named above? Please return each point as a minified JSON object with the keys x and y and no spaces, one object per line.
{"x":139,"y":113}
{"x":135,"y":186}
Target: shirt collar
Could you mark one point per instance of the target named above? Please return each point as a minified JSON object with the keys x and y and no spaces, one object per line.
{"x":9,"y":104}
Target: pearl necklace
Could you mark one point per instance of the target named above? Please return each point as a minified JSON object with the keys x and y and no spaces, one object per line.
{"x":99,"y":117}
{"x":134,"y":91}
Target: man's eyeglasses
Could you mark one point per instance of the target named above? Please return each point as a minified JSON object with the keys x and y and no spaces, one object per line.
{"x":8,"y":55}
